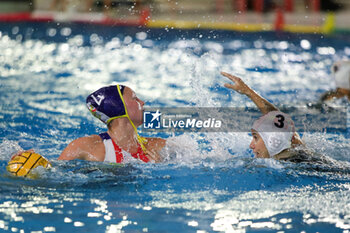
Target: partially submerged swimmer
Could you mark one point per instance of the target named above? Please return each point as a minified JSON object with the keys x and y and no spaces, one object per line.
{"x":274,"y":134}
{"x":341,"y":73}
{"x":122,"y":111}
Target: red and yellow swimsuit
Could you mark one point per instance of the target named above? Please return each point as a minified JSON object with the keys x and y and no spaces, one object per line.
{"x":114,"y":154}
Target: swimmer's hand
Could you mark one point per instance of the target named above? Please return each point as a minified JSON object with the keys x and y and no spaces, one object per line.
{"x":238,"y":85}
{"x":335,"y":94}
{"x":242,"y":88}
{"x":296,"y":140}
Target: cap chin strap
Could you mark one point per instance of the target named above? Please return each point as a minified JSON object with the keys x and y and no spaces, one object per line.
{"x":142,"y":141}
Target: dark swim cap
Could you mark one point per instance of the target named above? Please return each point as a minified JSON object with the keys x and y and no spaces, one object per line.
{"x":107,"y":103}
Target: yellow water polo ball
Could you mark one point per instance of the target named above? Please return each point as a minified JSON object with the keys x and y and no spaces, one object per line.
{"x":22,"y":164}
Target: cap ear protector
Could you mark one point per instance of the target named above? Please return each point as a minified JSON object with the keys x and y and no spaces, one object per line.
{"x":276,"y":129}
{"x":24,"y":163}
{"x":107,"y":104}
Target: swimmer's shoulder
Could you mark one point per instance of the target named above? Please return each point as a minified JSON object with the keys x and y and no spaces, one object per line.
{"x":295,"y":155}
{"x":154,"y":147}
{"x":86,"y":148}
{"x":302,"y":154}
{"x":155,"y":143}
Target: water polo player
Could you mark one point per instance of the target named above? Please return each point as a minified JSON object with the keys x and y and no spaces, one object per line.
{"x":274,"y":133}
{"x":122,"y":111}
{"x":341,"y":74}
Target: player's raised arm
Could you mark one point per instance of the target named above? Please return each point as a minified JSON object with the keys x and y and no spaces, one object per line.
{"x":242,"y":88}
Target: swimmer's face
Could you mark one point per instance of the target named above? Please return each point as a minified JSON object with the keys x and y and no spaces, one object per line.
{"x":134,"y":106}
{"x":258,"y":146}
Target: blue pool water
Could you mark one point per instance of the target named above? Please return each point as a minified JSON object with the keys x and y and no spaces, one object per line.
{"x":210,"y":182}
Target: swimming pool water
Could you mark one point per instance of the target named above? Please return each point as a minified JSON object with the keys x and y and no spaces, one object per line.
{"x":210,"y":182}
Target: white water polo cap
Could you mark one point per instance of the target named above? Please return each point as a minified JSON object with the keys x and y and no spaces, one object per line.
{"x":341,"y":73}
{"x":276,"y":130}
